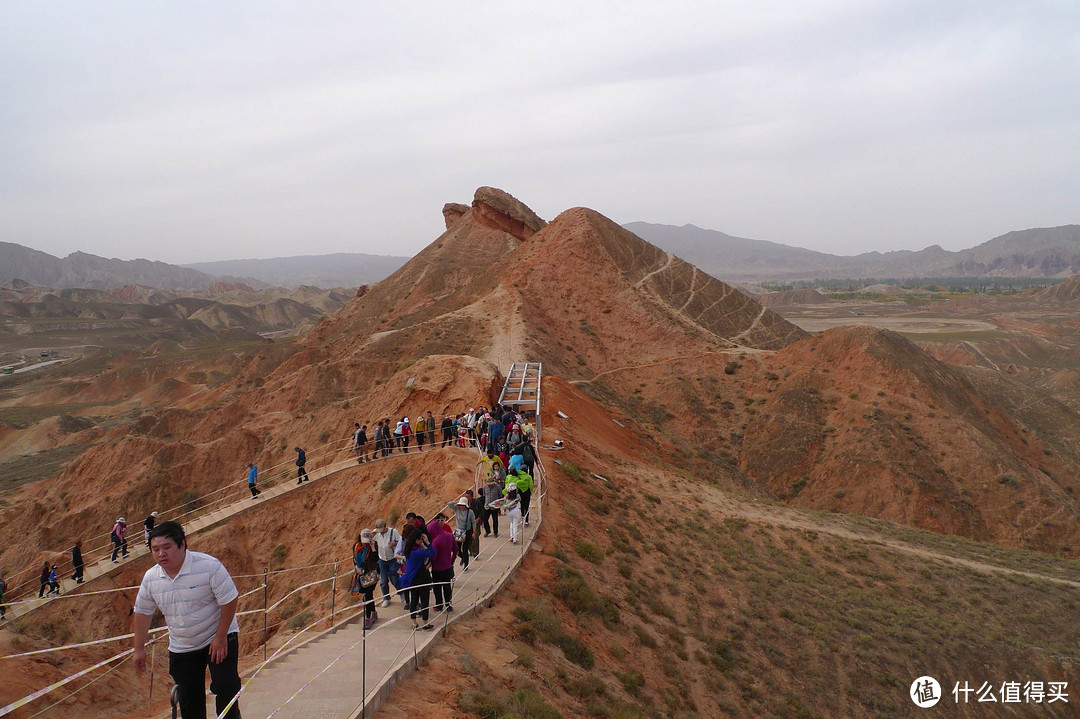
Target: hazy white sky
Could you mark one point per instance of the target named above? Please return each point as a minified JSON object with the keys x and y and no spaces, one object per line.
{"x":203,"y":130}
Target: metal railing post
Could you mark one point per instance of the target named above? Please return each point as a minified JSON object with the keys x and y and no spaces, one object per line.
{"x":153,"y":657}
{"x":333,"y":594}
{"x":363,"y":664}
{"x":266,"y":584}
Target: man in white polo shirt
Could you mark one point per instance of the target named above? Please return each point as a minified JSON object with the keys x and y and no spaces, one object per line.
{"x":198,"y":598}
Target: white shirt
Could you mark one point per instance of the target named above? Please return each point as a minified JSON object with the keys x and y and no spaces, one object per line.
{"x":386,"y":542}
{"x":191,"y":602}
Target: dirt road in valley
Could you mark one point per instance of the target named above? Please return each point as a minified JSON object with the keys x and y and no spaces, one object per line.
{"x":842,"y":526}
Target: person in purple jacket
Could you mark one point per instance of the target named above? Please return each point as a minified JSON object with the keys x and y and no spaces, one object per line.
{"x":417,"y":579}
{"x":442,"y":564}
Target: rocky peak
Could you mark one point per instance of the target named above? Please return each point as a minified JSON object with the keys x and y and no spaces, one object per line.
{"x":502,"y":211}
{"x":454,"y":211}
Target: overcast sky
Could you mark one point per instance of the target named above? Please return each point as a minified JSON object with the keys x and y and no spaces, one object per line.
{"x":195,"y":131}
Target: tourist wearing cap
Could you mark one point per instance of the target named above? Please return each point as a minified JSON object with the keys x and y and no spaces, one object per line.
{"x":406,"y":432}
{"x":148,"y":526}
{"x":493,"y":491}
{"x":386,"y":541}
{"x":119,"y":539}
{"x":366,"y":562}
{"x":397,"y":432}
{"x":464,"y":521}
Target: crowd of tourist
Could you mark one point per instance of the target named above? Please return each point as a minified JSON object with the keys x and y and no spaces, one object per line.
{"x":419,"y":559}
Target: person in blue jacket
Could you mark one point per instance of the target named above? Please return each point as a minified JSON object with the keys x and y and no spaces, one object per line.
{"x":417,"y":578}
{"x":253,"y":477}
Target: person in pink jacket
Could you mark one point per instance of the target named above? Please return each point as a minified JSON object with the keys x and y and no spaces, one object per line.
{"x":442,"y":564}
{"x":119,"y":539}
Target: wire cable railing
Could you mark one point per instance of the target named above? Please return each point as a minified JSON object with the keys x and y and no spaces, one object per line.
{"x":202,"y":507}
{"x":328,"y":447}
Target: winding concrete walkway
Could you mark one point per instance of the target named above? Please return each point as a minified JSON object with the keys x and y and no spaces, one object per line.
{"x":347,"y":672}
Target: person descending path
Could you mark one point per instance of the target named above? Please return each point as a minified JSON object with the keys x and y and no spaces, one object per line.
{"x":54,"y":583}
{"x":119,"y":539}
{"x":476,"y":504}
{"x":360,"y":442}
{"x":253,"y":476}
{"x":524,"y":482}
{"x":442,"y":564}
{"x":465,"y":520}
{"x":493,"y":491}
{"x":386,"y":541}
{"x":377,"y":437}
{"x":366,"y":562}
{"x":429,"y":424}
{"x":44,"y":578}
{"x":512,"y":507}
{"x":447,"y":431}
{"x":398,"y":433}
{"x":77,"y":562}
{"x":148,"y":526}
{"x":417,"y":578}
{"x":301,"y":460}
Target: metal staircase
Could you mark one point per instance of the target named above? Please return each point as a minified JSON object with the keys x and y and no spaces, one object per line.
{"x":521,"y":391}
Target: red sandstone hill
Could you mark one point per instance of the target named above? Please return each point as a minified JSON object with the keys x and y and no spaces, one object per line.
{"x":639,"y":329}
{"x":500,"y":285}
{"x":861,"y":420}
{"x":710,"y":390}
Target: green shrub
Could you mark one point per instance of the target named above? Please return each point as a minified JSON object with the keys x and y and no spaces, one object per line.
{"x":632,"y":681}
{"x":396,"y":477}
{"x":643,"y":636}
{"x":590,"y":552}
{"x":572,"y":589}
{"x":301,"y":620}
{"x":576,"y":651}
{"x":539,"y":621}
{"x":524,"y":654}
{"x":608,"y":609}
{"x":523,"y":703}
{"x":572,"y":471}
{"x":277,"y":557}
{"x":588,"y":686}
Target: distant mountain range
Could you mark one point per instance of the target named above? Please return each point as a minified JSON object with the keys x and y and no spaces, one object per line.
{"x":83,"y":270}
{"x":80,"y":269}
{"x":1051,"y":252}
{"x":343,"y":269}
